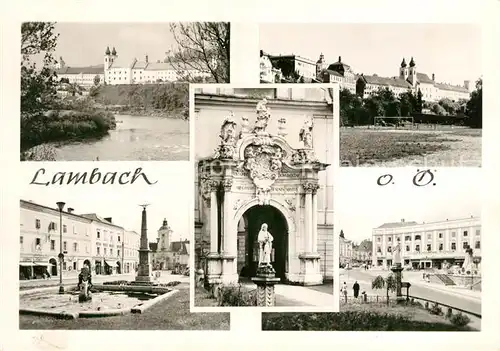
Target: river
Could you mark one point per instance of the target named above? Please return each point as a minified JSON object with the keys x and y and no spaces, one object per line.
{"x":136,"y":138}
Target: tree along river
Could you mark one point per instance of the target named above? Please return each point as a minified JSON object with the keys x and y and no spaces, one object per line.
{"x":136,"y":138}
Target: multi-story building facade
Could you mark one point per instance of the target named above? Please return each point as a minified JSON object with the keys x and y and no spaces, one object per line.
{"x":130,"y":250}
{"x":345,"y":251}
{"x":361,"y":255}
{"x":408,"y":79}
{"x":87,"y":239}
{"x":427,"y":245}
{"x":107,"y":238}
{"x":40,"y":242}
{"x":168,"y":254}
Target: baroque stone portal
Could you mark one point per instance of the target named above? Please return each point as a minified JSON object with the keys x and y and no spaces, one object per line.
{"x":256,"y":168}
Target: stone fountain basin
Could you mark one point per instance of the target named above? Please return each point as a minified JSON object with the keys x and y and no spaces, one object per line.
{"x":107,"y":300}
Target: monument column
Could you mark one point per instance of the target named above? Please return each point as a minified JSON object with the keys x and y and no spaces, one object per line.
{"x":144,"y":269}
{"x":229,"y":274}
{"x":308,"y":221}
{"x":214,"y":264}
{"x":213,"y":218}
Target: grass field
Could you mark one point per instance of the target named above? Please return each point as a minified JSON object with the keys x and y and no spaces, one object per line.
{"x":368,"y":317}
{"x":171,"y":314}
{"x":382,"y":147}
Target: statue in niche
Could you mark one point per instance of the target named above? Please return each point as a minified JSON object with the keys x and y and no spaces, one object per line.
{"x":305,"y":134}
{"x":265,"y":240}
{"x":227,"y":135}
{"x":263,"y":115}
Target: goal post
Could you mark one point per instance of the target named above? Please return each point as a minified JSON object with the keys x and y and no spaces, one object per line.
{"x":393,"y":122}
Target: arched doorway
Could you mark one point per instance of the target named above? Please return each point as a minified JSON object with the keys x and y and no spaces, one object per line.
{"x":254,"y":217}
{"x":118,"y":267}
{"x":53,"y":269}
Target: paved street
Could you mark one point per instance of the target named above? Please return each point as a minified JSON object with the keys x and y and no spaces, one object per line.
{"x":70,"y":279}
{"x":470,"y":301}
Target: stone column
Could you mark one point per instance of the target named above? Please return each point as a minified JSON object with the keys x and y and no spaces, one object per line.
{"x":144,"y":270}
{"x":314,"y":221}
{"x":266,"y":296}
{"x":214,"y":264}
{"x":308,"y":222}
{"x":229,"y":274}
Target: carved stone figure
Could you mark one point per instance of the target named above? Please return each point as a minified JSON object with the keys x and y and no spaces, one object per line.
{"x":310,"y":187}
{"x":302,"y":156}
{"x":305,"y":134}
{"x":263,"y":115}
{"x":244,"y":125}
{"x":84,"y":283}
{"x":227,"y":135}
{"x":265,"y":240}
{"x":396,"y":254}
{"x":468,"y":261}
{"x":282,"y":127}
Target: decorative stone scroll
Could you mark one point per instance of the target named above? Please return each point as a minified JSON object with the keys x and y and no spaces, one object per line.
{"x":302,"y":156}
{"x":227,"y":146}
{"x":310,"y":187}
{"x":227,"y":183}
{"x":263,"y":160}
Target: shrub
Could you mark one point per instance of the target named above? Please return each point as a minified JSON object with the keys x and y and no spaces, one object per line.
{"x":173,"y":283}
{"x":436,"y":309}
{"x":234,"y":295}
{"x":459,"y":319}
{"x":449,"y":313}
{"x":426,"y":305}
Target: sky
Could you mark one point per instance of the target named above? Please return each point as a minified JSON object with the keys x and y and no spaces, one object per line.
{"x":451,"y":51}
{"x":121,"y":202}
{"x":84,"y":44}
{"x":361,"y":204}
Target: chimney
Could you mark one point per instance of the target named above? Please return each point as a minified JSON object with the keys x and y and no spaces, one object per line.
{"x":109,"y":219}
{"x":70,"y":210}
{"x":147,"y":58}
{"x":340,"y":59}
{"x":433,"y":77}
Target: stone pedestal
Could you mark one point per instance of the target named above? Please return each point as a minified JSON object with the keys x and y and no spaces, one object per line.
{"x":229,"y":274}
{"x":214,"y":268}
{"x":265,"y":281}
{"x":310,"y":269}
{"x":397,"y":269}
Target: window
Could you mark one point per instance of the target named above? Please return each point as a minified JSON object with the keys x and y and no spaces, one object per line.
{"x":118,"y":238}
{"x":378,"y":249}
{"x":38,"y":241}
{"x":21,"y":240}
{"x":453,"y":246}
{"x":478,"y":232}
{"x":37,"y":224}
{"x":52,"y":226}
{"x":75,"y":247}
{"x":98,"y":234}
{"x":389,"y":249}
{"x":389,"y":239}
{"x":65,"y":246}
{"x":465,"y":233}
{"x":429,"y":247}
{"x":478,"y":245}
{"x":378,"y":239}
{"x":429,"y":236}
{"x":417,"y":248}
{"x":105,"y":251}
{"x":407,"y":248}
{"x":441,"y":247}
{"x":98,"y":250}
{"x":452,"y":234}
{"x":52,"y":245}
{"x":408,"y":238}
{"x":111,"y":252}
{"x":465,"y":245}
{"x":440,"y":235}
{"x":118,"y":254}
{"x":417,"y":237}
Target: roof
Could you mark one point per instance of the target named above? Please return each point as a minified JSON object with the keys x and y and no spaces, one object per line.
{"x":159,"y":66}
{"x":335,"y":73}
{"x":424,"y":78}
{"x":95,"y":217}
{"x":139,"y":65}
{"x":99,"y":69}
{"x":121,"y":63}
{"x":451,"y":87}
{"x":397,"y":224}
{"x":180,"y":247}
{"x":27,"y":204}
{"x":398,"y":82}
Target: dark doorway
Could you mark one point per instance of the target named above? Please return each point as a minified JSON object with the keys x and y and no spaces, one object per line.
{"x":53,"y":263}
{"x":118,"y":268}
{"x":278,"y":228}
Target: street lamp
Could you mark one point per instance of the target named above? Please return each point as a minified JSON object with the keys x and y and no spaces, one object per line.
{"x":60,"y":205}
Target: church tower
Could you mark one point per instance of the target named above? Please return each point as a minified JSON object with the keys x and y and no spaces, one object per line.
{"x":403,"y":70}
{"x":412,"y":74}
{"x":320,"y":66}
{"x":107,"y":59}
{"x":164,"y":236}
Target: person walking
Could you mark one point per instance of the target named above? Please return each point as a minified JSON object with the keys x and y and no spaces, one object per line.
{"x":355,"y":288}
{"x":344,"y":291}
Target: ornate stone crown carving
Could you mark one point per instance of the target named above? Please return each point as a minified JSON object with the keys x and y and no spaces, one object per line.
{"x":310,"y":187}
{"x":227,"y":146}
